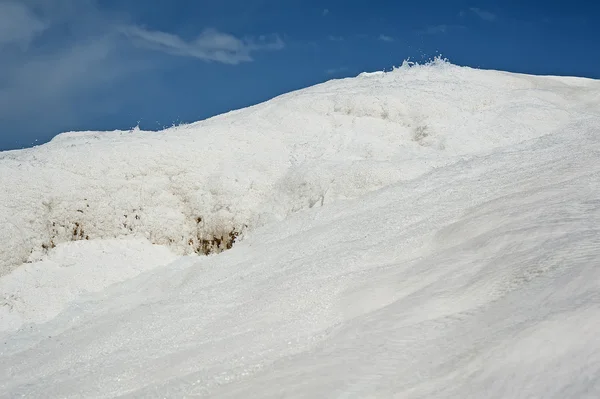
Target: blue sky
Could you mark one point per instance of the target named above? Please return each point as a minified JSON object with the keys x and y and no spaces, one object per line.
{"x":109,"y":64}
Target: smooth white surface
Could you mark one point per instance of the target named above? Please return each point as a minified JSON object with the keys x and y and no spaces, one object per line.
{"x":429,"y":232}
{"x":37,"y":292}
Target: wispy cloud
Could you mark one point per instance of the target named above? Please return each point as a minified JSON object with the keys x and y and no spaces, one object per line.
{"x":51,"y":53}
{"x":59,"y":58}
{"x":440,"y":29}
{"x":434,"y":30}
{"x":325,"y":12}
{"x":210,"y":45}
{"x":385,"y":38}
{"x":483,"y":14}
{"x":18,"y":25}
{"x":333,"y":38}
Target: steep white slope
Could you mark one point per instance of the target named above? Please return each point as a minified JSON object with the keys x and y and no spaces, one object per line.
{"x":479,"y":279}
{"x":184,"y":186}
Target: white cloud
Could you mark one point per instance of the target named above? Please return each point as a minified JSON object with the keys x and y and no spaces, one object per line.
{"x":60,"y":61}
{"x":385,"y":38}
{"x":485,"y":15}
{"x":56,"y":90}
{"x":440,"y":29}
{"x":434,"y":30}
{"x":325,"y":12}
{"x":18,"y":25}
{"x":210,"y":45}
{"x":51,"y":55}
{"x":335,"y":38}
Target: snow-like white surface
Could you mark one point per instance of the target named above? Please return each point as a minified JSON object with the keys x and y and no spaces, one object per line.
{"x":429,"y":232}
{"x":334,"y":141}
{"x":39,"y":291}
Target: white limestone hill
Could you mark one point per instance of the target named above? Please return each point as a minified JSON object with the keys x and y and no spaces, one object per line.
{"x":197,"y":187}
{"x":430,"y":232}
